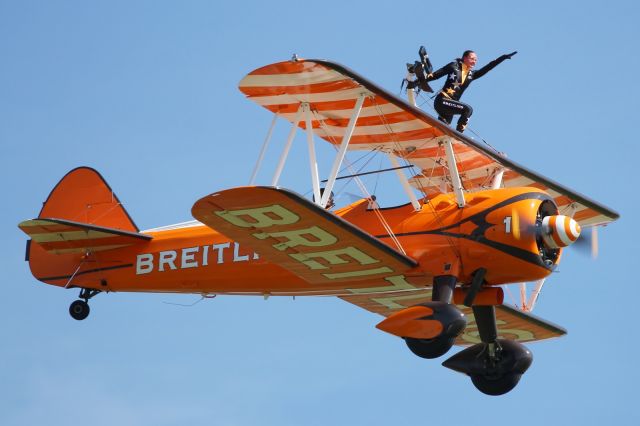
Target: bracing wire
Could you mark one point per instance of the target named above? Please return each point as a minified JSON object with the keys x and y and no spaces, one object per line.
{"x":188,"y":305}
{"x":361,"y":185}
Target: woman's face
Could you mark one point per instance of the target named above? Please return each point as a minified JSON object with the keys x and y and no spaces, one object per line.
{"x":470,"y":60}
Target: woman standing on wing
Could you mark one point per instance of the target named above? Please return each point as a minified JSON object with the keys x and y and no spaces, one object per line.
{"x":460,"y":75}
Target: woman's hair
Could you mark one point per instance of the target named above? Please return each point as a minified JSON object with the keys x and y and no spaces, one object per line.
{"x":466,"y":53}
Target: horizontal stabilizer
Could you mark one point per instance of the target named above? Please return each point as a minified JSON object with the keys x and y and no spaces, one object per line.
{"x":61,"y":236}
{"x":296,"y":234}
{"x":513,"y":324}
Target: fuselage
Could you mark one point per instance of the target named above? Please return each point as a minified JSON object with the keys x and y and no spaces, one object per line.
{"x":443,"y":238}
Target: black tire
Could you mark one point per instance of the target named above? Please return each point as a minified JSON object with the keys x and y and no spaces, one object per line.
{"x":496,"y":385}
{"x":430,"y":348}
{"x":79,"y":310}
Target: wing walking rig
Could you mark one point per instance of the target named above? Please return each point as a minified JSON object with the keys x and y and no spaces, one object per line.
{"x":334,"y":103}
{"x":434,"y":268}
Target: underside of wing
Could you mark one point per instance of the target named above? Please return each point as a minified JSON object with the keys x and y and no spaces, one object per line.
{"x":512,"y":323}
{"x":387,"y":123}
{"x":296,"y":234}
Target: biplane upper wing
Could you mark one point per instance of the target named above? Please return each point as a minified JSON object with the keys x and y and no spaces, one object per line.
{"x":512,"y":323}
{"x":299,"y":236}
{"x":390,"y":124}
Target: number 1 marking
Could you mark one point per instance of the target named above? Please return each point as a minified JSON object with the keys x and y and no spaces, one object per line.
{"x":507,"y":224}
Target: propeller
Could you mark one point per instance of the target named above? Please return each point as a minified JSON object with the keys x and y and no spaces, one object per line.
{"x":557,"y":231}
{"x":587,"y":244}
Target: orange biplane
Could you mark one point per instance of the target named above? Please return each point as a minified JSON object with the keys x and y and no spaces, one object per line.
{"x":434,"y":267}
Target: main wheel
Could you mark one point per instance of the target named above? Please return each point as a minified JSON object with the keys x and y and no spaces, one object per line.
{"x":496,"y":385}
{"x":79,"y":310}
{"x":430,"y":348}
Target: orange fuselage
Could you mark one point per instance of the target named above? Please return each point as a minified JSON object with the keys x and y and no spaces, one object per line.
{"x":493,"y":231}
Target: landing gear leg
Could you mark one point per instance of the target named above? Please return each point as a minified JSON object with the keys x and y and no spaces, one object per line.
{"x":452,"y":319}
{"x":79,"y":309}
{"x":443,"y":286}
{"x":495,"y":365}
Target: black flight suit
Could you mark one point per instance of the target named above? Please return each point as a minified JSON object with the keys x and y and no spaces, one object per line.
{"x":447,"y":102}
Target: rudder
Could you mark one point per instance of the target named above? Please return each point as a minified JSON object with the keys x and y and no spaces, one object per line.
{"x":81,"y":218}
{"x":83,"y":195}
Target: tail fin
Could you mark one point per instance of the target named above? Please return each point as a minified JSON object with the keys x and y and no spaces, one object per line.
{"x":83,"y":195}
{"x":81,"y":216}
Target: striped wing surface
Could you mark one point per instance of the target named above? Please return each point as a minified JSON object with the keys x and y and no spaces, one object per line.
{"x":389,"y":124}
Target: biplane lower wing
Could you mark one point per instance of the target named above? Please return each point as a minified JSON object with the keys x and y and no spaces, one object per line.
{"x":512,"y":323}
{"x":296,"y":234}
{"x":59,"y":236}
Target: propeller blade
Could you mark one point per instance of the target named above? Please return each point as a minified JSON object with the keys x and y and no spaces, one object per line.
{"x":515,"y":224}
{"x":587,"y":244}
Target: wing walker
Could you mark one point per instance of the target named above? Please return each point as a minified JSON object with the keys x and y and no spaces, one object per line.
{"x":434,"y":268}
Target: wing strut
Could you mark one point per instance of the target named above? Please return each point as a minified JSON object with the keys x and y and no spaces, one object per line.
{"x":404,"y":182}
{"x":313,"y":163}
{"x":534,"y":295}
{"x":453,"y":171}
{"x":343,"y":150}
{"x":285,"y":152}
{"x":496,"y":180}
{"x":263,"y":150}
{"x":411,"y":93}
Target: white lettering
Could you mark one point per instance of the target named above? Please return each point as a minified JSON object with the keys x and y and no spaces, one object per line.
{"x":188,"y":257}
{"x":167,"y":258}
{"x":144,"y":263}
{"x":236,"y":254}
{"x":220,"y":247}
{"x":205,"y":255}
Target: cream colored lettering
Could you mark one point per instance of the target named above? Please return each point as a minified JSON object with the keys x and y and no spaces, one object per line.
{"x":334,"y":257}
{"x":359,"y":273}
{"x":391,"y":302}
{"x":398,"y":283}
{"x":307,"y":237}
{"x":261,"y":217}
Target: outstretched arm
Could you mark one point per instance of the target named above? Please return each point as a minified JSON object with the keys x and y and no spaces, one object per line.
{"x":439,"y":73}
{"x":491,"y":65}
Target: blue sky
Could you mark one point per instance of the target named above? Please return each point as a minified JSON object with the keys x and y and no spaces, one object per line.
{"x":146,"y":92}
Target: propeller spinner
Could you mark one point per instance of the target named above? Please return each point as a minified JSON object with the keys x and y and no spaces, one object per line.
{"x":559,"y":231}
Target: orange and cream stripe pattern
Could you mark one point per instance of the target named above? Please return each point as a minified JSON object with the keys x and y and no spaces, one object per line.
{"x":63,"y":237}
{"x":388,"y":124}
{"x":559,"y":231}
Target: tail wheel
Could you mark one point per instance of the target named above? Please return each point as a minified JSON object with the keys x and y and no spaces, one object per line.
{"x":79,"y":310}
